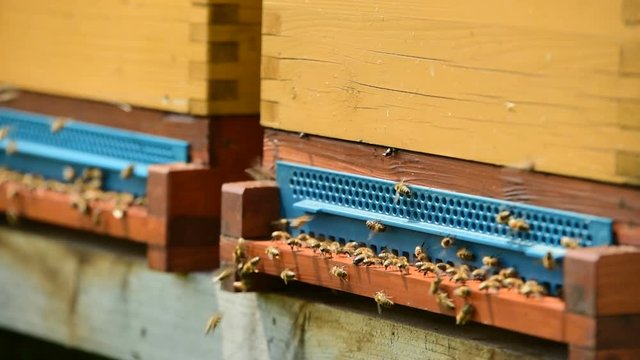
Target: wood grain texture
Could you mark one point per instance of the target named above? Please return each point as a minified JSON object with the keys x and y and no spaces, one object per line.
{"x":505,"y":309}
{"x":159,"y":54}
{"x":99,"y":296}
{"x":620,"y":203}
{"x":596,"y":281}
{"x":545,"y":85}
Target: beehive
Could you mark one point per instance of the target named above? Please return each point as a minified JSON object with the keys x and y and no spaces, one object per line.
{"x":547,"y":85}
{"x":188,"y":56}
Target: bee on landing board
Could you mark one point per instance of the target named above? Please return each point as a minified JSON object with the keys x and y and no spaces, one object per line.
{"x":382,"y":300}
{"x":339,"y":272}
{"x":287,"y":275}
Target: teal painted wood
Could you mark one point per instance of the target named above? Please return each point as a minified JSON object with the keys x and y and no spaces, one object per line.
{"x":82,"y":145}
{"x":342,"y":203}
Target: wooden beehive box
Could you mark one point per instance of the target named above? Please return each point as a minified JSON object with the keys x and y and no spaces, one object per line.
{"x":547,"y":85}
{"x":187,"y":56}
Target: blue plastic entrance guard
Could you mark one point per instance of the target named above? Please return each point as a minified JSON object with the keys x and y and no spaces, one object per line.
{"x":81,"y":145}
{"x":342,"y":203}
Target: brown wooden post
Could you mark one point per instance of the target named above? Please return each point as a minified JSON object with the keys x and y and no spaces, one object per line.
{"x":603,"y":302}
{"x":187,"y":196}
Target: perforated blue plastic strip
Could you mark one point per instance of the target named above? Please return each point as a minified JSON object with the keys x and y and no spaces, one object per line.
{"x":82,"y":145}
{"x":341,"y":204}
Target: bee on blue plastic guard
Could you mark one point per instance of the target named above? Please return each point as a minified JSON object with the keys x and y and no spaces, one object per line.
{"x":57,"y":125}
{"x":127,"y":172}
{"x":446,"y":242}
{"x":376,"y":226}
{"x":401,"y":189}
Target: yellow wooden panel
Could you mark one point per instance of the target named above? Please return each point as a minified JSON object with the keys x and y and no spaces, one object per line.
{"x":140,"y":52}
{"x":540,"y":84}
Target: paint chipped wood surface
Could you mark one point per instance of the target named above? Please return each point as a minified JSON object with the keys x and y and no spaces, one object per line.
{"x":620,"y":203}
{"x":83,"y":292}
{"x":546,"y":85}
{"x":187,"y":56}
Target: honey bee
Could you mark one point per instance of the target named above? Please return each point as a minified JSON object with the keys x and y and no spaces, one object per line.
{"x":372,"y":261}
{"x":389,"y":152}
{"x":294,"y":243}
{"x":375,"y":226}
{"x":303,"y":237}
{"x":4,"y":132}
{"x":382,"y":300}
{"x":443,"y":299}
{"x":570,"y":243}
{"x":386,"y":254}
{"x":503,"y":217}
{"x":401,"y":190}
{"x":339,"y":272}
{"x":351,"y":245}
{"x":446,"y":242}
{"x":518,"y":225}
{"x":548,"y":261}
{"x":426,"y":268}
{"x":119,"y":212}
{"x":240,"y":286}
{"x":300,"y":221}
{"x":250,"y":266}
{"x":392,"y":261}
{"x":239,"y":252}
{"x":403,"y":264}
{"x":420,"y":255}
{"x":490,"y":261}
{"x":443,"y":267}
{"x":280,"y":224}
{"x":272,"y":253}
{"x":435,"y":286}
{"x":57,"y":125}
{"x":511,"y":283}
{"x":314,"y":244}
{"x":462,"y":291}
{"x":532,"y":288}
{"x":465,"y":314}
{"x":479,"y":274}
{"x":363,"y":250}
{"x":91,"y":173}
{"x":508,"y":273}
{"x":490,"y":285}
{"x":212,"y":323}
{"x":359,"y":259}
{"x":287,"y":275}
{"x":13,"y":217}
{"x":451,"y":271}
{"x":326,"y":249}
{"x":224,"y":274}
{"x":68,"y":173}
{"x":280,"y":235}
{"x":96,"y":217}
{"x":127,"y":172}
{"x":79,"y":203}
{"x":460,"y":277}
{"x":140,"y":201}
{"x":11,"y":148}
{"x":464,"y":254}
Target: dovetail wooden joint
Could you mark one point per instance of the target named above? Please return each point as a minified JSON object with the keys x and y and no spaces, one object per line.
{"x":225,"y":14}
{"x":224,"y":90}
{"x":199,"y":71}
{"x":631,"y":12}
{"x":199,"y":33}
{"x":224,"y":52}
{"x":270,"y":67}
{"x":271,"y":23}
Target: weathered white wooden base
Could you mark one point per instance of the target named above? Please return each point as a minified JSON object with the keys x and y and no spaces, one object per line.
{"x":97,"y":294}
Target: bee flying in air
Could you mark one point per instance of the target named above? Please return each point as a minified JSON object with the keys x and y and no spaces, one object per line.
{"x":420,"y":255}
{"x":462,"y":291}
{"x":212,"y":323}
{"x":490,"y":261}
{"x":435,"y":286}
{"x":300,"y":221}
{"x":280,"y":235}
{"x":443,"y":299}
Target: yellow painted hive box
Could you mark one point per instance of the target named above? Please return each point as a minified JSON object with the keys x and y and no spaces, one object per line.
{"x":188,"y":56}
{"x":548,"y":85}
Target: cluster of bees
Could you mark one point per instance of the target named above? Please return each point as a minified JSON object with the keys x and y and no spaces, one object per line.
{"x":490,"y":276}
{"x":83,"y":188}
